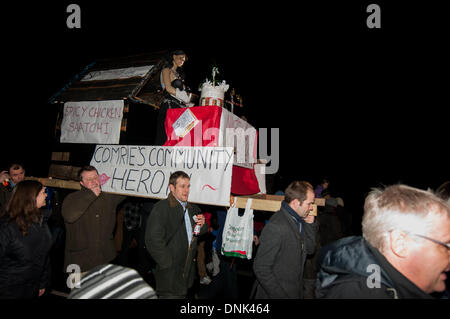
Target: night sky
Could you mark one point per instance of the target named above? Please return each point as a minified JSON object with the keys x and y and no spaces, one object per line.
{"x":361,"y":107}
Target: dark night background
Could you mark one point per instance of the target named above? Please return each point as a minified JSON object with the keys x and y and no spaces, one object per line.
{"x":362,"y":107}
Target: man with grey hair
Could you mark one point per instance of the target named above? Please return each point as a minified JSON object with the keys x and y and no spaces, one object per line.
{"x":404,"y":251}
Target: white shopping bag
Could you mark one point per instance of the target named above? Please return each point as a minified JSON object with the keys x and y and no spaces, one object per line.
{"x":237,"y":237}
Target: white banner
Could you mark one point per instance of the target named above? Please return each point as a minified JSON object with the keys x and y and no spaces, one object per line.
{"x":94,"y":122}
{"x":145,"y":170}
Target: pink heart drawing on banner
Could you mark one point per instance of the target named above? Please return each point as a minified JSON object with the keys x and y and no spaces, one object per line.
{"x":207,"y":185}
{"x":103,"y":179}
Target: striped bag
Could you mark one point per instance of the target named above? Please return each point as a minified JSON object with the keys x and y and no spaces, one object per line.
{"x":112,"y":282}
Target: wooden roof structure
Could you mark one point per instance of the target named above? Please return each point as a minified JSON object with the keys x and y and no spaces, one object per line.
{"x":130,"y":77}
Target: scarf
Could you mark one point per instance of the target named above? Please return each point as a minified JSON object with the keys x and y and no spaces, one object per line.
{"x":297,"y":219}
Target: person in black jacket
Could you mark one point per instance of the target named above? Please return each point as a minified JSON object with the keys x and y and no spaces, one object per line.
{"x":285,"y":241}
{"x":25,"y":242}
{"x":404,"y":252}
{"x":170,"y":240}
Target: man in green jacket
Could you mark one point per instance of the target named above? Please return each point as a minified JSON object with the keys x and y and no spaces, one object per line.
{"x":170,"y":240}
{"x":90,"y":218}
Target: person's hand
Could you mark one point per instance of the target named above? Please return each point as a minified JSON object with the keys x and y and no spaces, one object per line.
{"x":91,"y":181}
{"x":200,"y":219}
{"x":256,"y":240}
{"x":41,"y":291}
{"x":97,"y":190}
{"x":94,"y":187}
{"x":4,"y":176}
{"x":183,"y":96}
{"x":309,"y":219}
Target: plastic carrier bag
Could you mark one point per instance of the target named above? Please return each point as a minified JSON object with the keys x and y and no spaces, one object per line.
{"x":237,"y":237}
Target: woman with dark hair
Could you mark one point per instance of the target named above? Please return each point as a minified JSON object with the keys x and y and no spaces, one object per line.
{"x":175,"y":96}
{"x":25,"y":242}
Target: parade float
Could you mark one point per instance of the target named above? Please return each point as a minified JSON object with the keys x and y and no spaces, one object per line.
{"x":100,"y":122}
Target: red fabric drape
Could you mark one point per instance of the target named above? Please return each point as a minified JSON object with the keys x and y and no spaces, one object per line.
{"x":244,"y":181}
{"x":209,"y":117}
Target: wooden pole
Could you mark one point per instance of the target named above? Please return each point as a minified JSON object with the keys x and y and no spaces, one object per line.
{"x":263,"y":202}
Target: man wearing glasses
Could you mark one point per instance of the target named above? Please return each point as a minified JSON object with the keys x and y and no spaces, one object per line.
{"x":404,"y":251}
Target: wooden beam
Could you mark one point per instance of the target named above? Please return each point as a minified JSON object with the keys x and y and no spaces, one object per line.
{"x":58,"y":183}
{"x":320,"y":201}
{"x":60,"y":156}
{"x":263,"y":202}
{"x":259,"y":203}
{"x":271,"y":203}
{"x":63,"y":172}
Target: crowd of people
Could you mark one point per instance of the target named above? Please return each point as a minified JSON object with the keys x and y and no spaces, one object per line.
{"x":403,"y":251}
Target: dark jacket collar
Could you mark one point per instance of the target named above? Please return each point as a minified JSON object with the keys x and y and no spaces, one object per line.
{"x":173,"y":202}
{"x":291,"y":221}
{"x":87,"y":190}
{"x":404,"y":287}
{"x":351,"y":256}
{"x":347,"y":256}
{"x":293,"y":214}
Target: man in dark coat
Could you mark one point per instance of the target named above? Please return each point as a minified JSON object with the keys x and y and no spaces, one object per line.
{"x":285,"y":241}
{"x":170,"y":241}
{"x":90,"y":218}
{"x":403,"y":252}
